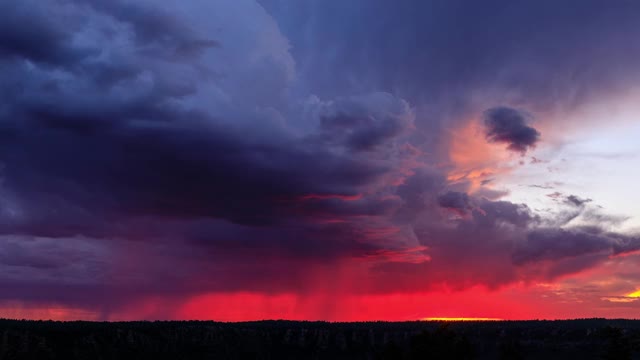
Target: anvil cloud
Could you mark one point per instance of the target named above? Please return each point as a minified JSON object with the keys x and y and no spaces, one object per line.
{"x":159,"y":160}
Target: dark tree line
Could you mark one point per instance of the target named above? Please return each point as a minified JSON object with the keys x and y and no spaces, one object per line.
{"x":576,"y":339}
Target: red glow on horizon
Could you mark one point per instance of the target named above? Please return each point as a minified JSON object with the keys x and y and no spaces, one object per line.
{"x":475,"y":304}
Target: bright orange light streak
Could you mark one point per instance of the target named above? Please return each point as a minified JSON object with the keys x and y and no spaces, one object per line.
{"x":635,"y":294}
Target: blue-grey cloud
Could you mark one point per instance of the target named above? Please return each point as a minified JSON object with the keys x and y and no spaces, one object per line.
{"x":555,"y":244}
{"x":456,"y":201}
{"x":509,"y":126}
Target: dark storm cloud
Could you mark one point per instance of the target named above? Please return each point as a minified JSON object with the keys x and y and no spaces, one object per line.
{"x":556,"y":244}
{"x":181,"y":172}
{"x":495,"y":212}
{"x":364,"y":123}
{"x":156,"y":29}
{"x":482,"y":241}
{"x":501,"y":237}
{"x":424,"y":46}
{"x":128,"y":145}
{"x":32,"y":261}
{"x":509,"y":126}
{"x":141,"y":153}
{"x":487,"y":211}
{"x":456,"y":201}
{"x":30,"y":253}
{"x":44,"y":39}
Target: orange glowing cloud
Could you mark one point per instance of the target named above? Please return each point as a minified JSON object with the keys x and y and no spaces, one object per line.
{"x":474,"y":160}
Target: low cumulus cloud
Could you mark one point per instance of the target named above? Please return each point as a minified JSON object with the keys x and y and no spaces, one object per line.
{"x":508,"y":126}
{"x":577,"y":201}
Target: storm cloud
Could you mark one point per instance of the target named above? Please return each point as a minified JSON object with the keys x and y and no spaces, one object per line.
{"x":552,"y":244}
{"x":456,"y":201}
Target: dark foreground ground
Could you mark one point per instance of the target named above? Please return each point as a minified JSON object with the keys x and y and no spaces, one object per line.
{"x":575,"y":339}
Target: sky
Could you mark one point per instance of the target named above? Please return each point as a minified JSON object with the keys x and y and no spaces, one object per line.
{"x":319,"y":159}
